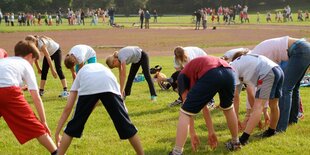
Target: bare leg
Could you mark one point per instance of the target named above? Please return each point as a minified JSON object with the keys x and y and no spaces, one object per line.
{"x":135,"y":143}
{"x":42,"y":84}
{"x":232,"y":123}
{"x":64,"y":144}
{"x":182,"y":130}
{"x":274,"y":113}
{"x":47,"y":142}
{"x":255,"y":116}
{"x":64,"y":83}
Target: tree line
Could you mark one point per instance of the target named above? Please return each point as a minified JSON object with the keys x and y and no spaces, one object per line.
{"x":131,"y":6}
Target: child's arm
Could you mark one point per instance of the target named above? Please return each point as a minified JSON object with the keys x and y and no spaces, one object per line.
{"x":38,"y":66}
{"x":40,"y":108}
{"x":49,"y":60}
{"x":236,"y":104}
{"x":195,"y":142}
{"x":73,"y":73}
{"x":81,"y":65}
{"x":65,"y":114}
{"x":122,"y":76}
{"x":212,"y":138}
{"x":250,"y":94}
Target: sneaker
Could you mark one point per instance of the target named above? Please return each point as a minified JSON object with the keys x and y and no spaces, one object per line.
{"x":231,"y":146}
{"x":267,"y":134}
{"x":300,"y":115}
{"x":153,"y":98}
{"x":175,"y":103}
{"x":41,"y":92}
{"x":64,"y":94}
{"x":211,"y":105}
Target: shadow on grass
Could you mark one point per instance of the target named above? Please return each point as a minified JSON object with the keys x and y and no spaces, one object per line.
{"x":202,"y":149}
{"x":147,"y":112}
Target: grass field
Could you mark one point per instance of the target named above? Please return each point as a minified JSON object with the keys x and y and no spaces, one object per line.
{"x":163,"y":22}
{"x":156,"y":123}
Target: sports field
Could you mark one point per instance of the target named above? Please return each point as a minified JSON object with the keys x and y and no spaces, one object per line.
{"x":155,"y":121}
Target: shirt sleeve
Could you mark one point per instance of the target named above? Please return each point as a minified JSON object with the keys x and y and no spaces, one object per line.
{"x":40,"y":43}
{"x":30,"y":78}
{"x":76,"y":84}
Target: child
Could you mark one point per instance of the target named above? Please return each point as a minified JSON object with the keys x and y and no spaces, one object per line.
{"x":13,"y":106}
{"x":137,"y":57}
{"x":268,"y":17}
{"x":78,"y":56}
{"x":160,"y":78}
{"x":51,"y":51}
{"x":297,"y":54}
{"x":228,"y":56}
{"x":258,"y":17}
{"x":267,"y":76}
{"x":3,"y":53}
{"x":183,"y":55}
{"x":198,"y":83}
{"x":105,"y":89}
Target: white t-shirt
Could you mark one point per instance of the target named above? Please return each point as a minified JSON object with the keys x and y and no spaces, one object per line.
{"x":274,"y":49}
{"x":51,"y":45}
{"x":82,"y":53}
{"x":192,"y":53}
{"x":130,"y":54}
{"x":14,"y":71}
{"x":251,"y":67}
{"x":95,"y":78}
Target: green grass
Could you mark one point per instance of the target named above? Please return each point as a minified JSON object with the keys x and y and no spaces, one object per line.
{"x":164,"y":21}
{"x":156,"y":123}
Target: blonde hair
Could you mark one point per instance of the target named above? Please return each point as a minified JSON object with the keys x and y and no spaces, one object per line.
{"x":35,"y":38}
{"x":31,"y":38}
{"x":110,"y":59}
{"x":180,"y":56}
{"x":239,"y":54}
{"x":69,"y":61}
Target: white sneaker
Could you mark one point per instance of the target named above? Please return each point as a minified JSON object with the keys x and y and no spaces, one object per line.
{"x":64,"y":94}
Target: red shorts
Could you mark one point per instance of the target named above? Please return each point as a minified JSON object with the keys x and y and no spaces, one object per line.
{"x":19,"y":116}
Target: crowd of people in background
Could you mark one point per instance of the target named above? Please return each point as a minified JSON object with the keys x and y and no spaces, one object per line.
{"x":227,"y":15}
{"x":76,"y":17}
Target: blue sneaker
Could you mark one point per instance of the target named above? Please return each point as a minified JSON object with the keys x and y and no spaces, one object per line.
{"x":153,"y":98}
{"x":64,"y":94}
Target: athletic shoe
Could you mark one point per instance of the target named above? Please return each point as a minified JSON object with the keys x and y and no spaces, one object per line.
{"x":41,"y":92}
{"x":300,"y":115}
{"x":231,"y":146}
{"x":211,"y":104}
{"x":64,"y":94}
{"x":267,"y":134}
{"x":153,"y":98}
{"x":175,"y":103}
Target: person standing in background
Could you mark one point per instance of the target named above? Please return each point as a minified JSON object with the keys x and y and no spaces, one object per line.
{"x":147,"y":17}
{"x":155,"y":15}
{"x":141,"y":15}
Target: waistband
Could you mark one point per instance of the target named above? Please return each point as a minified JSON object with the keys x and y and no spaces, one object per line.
{"x":296,"y":43}
{"x":294,"y":46}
